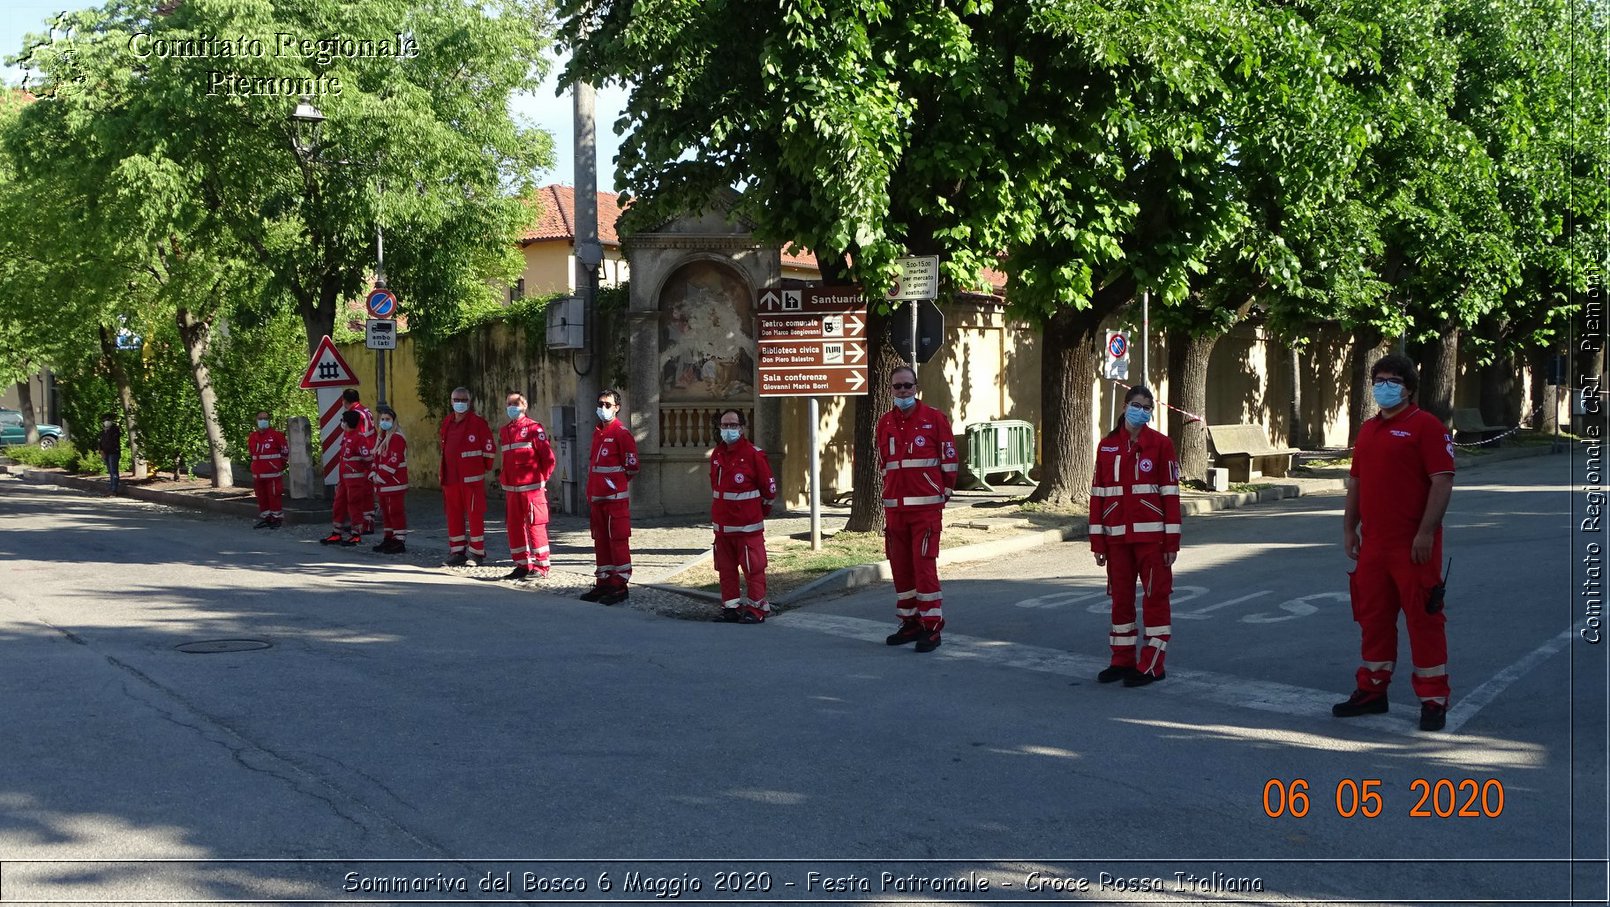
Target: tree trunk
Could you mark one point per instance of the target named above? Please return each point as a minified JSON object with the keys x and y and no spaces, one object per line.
{"x":866,"y":507}
{"x":196,"y":334}
{"x":1498,"y":391}
{"x":1439,"y":371}
{"x":318,"y":313}
{"x":1188,"y":369}
{"x":1296,"y":425}
{"x":1067,"y":370}
{"x":1368,"y":348}
{"x":1543,"y":413}
{"x":125,"y":395}
{"x":25,"y":402}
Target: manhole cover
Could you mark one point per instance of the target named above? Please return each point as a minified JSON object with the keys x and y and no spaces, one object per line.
{"x":213,"y":646}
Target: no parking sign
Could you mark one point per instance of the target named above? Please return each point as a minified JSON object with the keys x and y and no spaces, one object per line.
{"x":1116,"y":366}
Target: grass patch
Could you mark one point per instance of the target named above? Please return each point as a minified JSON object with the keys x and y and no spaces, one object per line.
{"x":1249,"y":488}
{"x":62,"y":456}
{"x":792,"y":564}
{"x":1327,"y":464}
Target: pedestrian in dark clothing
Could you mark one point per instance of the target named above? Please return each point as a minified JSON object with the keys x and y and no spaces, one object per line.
{"x":111,"y":446}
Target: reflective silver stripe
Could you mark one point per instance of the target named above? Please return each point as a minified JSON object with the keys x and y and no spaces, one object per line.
{"x":266,"y":456}
{"x":919,"y":463}
{"x":269,"y":475}
{"x":1097,"y":529}
{"x":609,"y":469}
{"x":1115,"y":530}
{"x":934,"y":612}
{"x":1123,"y":628}
{"x":732,"y":603}
{"x":1168,"y":489}
{"x":739,"y":495}
{"x":929,"y":596}
{"x":1439,"y":700}
{"x":1103,"y":491}
{"x":1172,"y":529}
{"x":394,"y":488}
{"x":919,"y":501}
{"x":518,"y":445}
{"x":1143,"y":489}
{"x":543,"y":550}
{"x":752,"y":527}
{"x":1164,"y":630}
{"x":902,"y":596}
{"x":518,"y":550}
{"x":905,"y":612}
{"x":479,"y":478}
{"x":1147,"y":527}
{"x":611,"y":497}
{"x":1438,"y":671}
{"x":890,"y":502}
{"x":1157,"y":642}
{"x":354,"y":475}
{"x":472,"y":453}
{"x":1120,"y":640}
{"x":536,"y":487}
{"x":1379,"y":665}
{"x":950,"y":467}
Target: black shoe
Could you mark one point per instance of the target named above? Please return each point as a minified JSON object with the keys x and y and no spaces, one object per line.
{"x":456,"y":560}
{"x":906,"y":633}
{"x":615,"y":597}
{"x":334,"y":538}
{"x":1362,"y":702}
{"x":384,"y":547}
{"x":275,"y":524}
{"x":595,"y":593}
{"x":520,"y":572}
{"x":263,"y":524}
{"x":750,"y":617}
{"x":1432,"y":716}
{"x":1115,"y":672}
{"x":352,"y":541}
{"x":727,"y":616}
{"x":1137,"y":679}
{"x":928,"y":641}
{"x":473,"y":561}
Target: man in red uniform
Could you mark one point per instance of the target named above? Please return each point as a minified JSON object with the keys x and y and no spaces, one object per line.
{"x":1135,"y":534}
{"x":270,"y":452}
{"x":1402,"y":479}
{"x":352,"y":403}
{"x":354,"y":496}
{"x":743,"y":489}
{"x":611,"y":466}
{"x":528,"y":463}
{"x":467,"y":454}
{"x":917,"y":453}
{"x":390,"y":478}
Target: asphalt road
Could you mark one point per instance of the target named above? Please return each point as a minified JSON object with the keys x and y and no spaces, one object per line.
{"x":463,"y":730}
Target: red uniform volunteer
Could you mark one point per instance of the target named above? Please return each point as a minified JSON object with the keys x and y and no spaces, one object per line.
{"x":390,"y":478}
{"x":270,"y":453}
{"x":467,"y":453}
{"x":917,"y":453}
{"x":1134,"y":521}
{"x":612,"y":464}
{"x":528,"y":463}
{"x":742,"y":489}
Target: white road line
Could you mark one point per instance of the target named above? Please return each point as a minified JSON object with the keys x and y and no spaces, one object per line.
{"x":1200,"y":612}
{"x":1466,"y":707}
{"x":1223,"y":689}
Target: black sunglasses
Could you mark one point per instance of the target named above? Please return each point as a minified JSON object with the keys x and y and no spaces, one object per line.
{"x":903,"y":385}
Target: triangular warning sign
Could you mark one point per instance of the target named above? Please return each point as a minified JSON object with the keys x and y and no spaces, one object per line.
{"x":327,"y":368}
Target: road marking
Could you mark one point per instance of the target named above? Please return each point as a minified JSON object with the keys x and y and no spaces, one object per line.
{"x":1222,"y":689}
{"x":1175,"y":597}
{"x":1465,"y":708}
{"x":1298,"y":607}
{"x":1199,"y":613}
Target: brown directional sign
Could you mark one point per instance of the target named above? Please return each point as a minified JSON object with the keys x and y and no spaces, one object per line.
{"x":811,"y":341}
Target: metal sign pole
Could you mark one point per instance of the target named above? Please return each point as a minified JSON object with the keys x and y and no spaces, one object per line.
{"x":816,"y":478}
{"x":1145,"y":337}
{"x":912,"y":305}
{"x":380,"y":355}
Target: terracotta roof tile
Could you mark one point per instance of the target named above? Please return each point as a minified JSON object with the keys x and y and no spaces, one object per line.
{"x":556,"y":216}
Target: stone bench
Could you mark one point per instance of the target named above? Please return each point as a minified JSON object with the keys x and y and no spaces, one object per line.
{"x":1246,"y":452}
{"x":1469,"y":422}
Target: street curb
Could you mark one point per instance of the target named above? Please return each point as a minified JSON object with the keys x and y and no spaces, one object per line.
{"x":847,"y":578}
{"x":242,"y":509}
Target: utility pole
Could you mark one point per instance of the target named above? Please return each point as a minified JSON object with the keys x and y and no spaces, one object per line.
{"x":588,"y":254}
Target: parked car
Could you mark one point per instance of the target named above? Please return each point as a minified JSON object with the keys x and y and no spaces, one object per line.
{"x":12,"y":431}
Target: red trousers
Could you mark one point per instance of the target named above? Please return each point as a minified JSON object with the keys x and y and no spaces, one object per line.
{"x":1125,"y":564}
{"x":466,"y":501}
{"x":745,"y":551}
{"x":393,"y":514}
{"x":270,"y":497}
{"x":1384,"y":583}
{"x":611,"y":525}
{"x":354,"y":506}
{"x":911,"y":542}
{"x":528,"y":539}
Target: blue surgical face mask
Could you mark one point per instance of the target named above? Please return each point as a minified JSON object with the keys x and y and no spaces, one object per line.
{"x":386,"y":424}
{"x":604,"y":415}
{"x":905,"y":402}
{"x":1387,"y":394}
{"x":1134,"y":415}
{"x":262,"y":423}
{"x":461,"y":406}
{"x":514,"y":412}
{"x":729,"y":435}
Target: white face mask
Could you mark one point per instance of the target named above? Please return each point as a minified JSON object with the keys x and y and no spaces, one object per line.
{"x":106,"y":424}
{"x":461,"y":406}
{"x":604,"y":414}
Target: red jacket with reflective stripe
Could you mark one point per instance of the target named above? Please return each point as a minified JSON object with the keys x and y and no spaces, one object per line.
{"x":467,"y":448}
{"x":612,"y":462}
{"x":1135,"y":493}
{"x":391,"y":463}
{"x":357,"y":454}
{"x":528,"y":459}
{"x":742,"y":487}
{"x":917,"y":453}
{"x":270,"y":452}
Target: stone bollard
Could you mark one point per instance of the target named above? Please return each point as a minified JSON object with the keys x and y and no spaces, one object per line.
{"x":300,"y":479}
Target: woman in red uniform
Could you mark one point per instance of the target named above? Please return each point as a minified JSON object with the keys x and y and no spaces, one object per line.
{"x":1135,"y":534}
{"x":390,"y":478}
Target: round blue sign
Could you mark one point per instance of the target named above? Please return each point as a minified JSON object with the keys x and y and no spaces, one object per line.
{"x":382,"y":304}
{"x":1117,"y":345}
